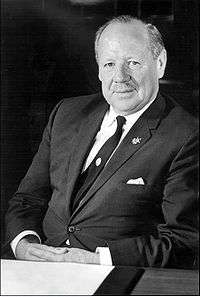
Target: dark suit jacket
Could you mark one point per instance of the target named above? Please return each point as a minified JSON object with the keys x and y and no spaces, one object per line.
{"x":143,"y":225}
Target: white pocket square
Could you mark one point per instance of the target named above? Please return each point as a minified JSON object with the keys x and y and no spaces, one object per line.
{"x":137,"y":181}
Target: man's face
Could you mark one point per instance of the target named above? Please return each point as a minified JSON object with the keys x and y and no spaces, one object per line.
{"x":127,"y":70}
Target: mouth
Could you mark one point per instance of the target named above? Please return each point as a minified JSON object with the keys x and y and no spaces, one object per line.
{"x":124,"y":89}
{"x":124,"y":92}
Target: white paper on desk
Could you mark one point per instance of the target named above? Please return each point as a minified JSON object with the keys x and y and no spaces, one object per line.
{"x":50,"y":278}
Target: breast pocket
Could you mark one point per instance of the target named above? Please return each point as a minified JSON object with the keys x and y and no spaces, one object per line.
{"x":134,"y":199}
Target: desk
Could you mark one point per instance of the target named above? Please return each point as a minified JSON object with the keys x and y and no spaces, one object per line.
{"x":39,"y":278}
{"x":167,"y":282}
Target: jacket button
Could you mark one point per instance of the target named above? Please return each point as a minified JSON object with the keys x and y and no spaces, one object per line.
{"x":67,"y":242}
{"x":71,"y":229}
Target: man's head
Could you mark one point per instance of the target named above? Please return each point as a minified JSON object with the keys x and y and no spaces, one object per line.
{"x":131,"y":58}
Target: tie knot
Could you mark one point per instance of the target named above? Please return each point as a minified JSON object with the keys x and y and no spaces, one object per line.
{"x":120,"y":121}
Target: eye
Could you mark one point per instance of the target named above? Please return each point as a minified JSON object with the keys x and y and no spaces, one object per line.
{"x":133,"y":63}
{"x":109,"y":65}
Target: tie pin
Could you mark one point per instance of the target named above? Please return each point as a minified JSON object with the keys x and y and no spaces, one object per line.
{"x":136,"y":140}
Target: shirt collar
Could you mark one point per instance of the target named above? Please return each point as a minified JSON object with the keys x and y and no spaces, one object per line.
{"x":111,"y":115}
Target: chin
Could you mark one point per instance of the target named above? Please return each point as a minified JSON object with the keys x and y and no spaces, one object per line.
{"x":127,"y":100}
{"x":127,"y":106}
{"x":124,"y":109}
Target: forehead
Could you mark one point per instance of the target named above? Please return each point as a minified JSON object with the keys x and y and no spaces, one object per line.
{"x":131,"y":37}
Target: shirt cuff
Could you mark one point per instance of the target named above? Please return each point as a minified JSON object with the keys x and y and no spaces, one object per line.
{"x":105,"y":255}
{"x":16,"y":240}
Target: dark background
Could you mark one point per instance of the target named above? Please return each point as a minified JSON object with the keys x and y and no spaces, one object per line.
{"x":47,"y":54}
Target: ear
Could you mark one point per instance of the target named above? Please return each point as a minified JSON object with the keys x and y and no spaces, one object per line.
{"x":99,"y":75}
{"x":161,"y":63}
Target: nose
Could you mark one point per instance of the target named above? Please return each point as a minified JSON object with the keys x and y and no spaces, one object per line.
{"x":121,"y":74}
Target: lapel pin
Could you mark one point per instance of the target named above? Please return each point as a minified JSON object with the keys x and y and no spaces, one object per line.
{"x":136,"y":140}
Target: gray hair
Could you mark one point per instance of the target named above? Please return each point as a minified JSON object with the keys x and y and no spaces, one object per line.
{"x":156,"y":44}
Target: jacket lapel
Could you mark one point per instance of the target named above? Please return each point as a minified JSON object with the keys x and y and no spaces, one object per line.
{"x":138,"y":135}
{"x":83,"y":141}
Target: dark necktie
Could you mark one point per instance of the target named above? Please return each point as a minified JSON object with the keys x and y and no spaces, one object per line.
{"x":86,"y":179}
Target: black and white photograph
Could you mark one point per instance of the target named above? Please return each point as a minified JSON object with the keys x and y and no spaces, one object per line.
{"x":99,"y":147}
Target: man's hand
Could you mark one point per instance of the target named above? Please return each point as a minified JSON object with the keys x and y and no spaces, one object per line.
{"x":29,"y":249}
{"x":33,"y":251}
{"x":73,"y":255}
{"x":76,"y":255}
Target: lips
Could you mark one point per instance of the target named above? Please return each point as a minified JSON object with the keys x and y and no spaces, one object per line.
{"x":124,"y":91}
{"x":123,"y":88}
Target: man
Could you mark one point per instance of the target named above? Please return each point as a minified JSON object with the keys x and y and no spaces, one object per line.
{"x":133,"y":204}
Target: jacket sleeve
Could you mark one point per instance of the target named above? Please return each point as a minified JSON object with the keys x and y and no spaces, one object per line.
{"x":28,"y":205}
{"x":175,"y":243}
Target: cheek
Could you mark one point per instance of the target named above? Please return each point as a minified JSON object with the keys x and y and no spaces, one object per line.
{"x":143,"y":78}
{"x":107,"y":75}
{"x":138,"y":75}
{"x":106,"y":79}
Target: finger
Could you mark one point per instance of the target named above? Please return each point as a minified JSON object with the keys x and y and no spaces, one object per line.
{"x":40,"y":252}
{"x":47,"y":255}
{"x":71,"y":256}
{"x":30,"y":257}
{"x":81,"y":256}
{"x":56,"y":250}
{"x":67,"y":258}
{"x":60,"y":250}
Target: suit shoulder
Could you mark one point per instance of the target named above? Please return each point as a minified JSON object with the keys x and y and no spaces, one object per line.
{"x":181,"y":120}
{"x":80,"y":102}
{"x":75,"y":108}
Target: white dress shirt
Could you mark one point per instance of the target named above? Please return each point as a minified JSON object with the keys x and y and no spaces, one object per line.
{"x":107,"y":129}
